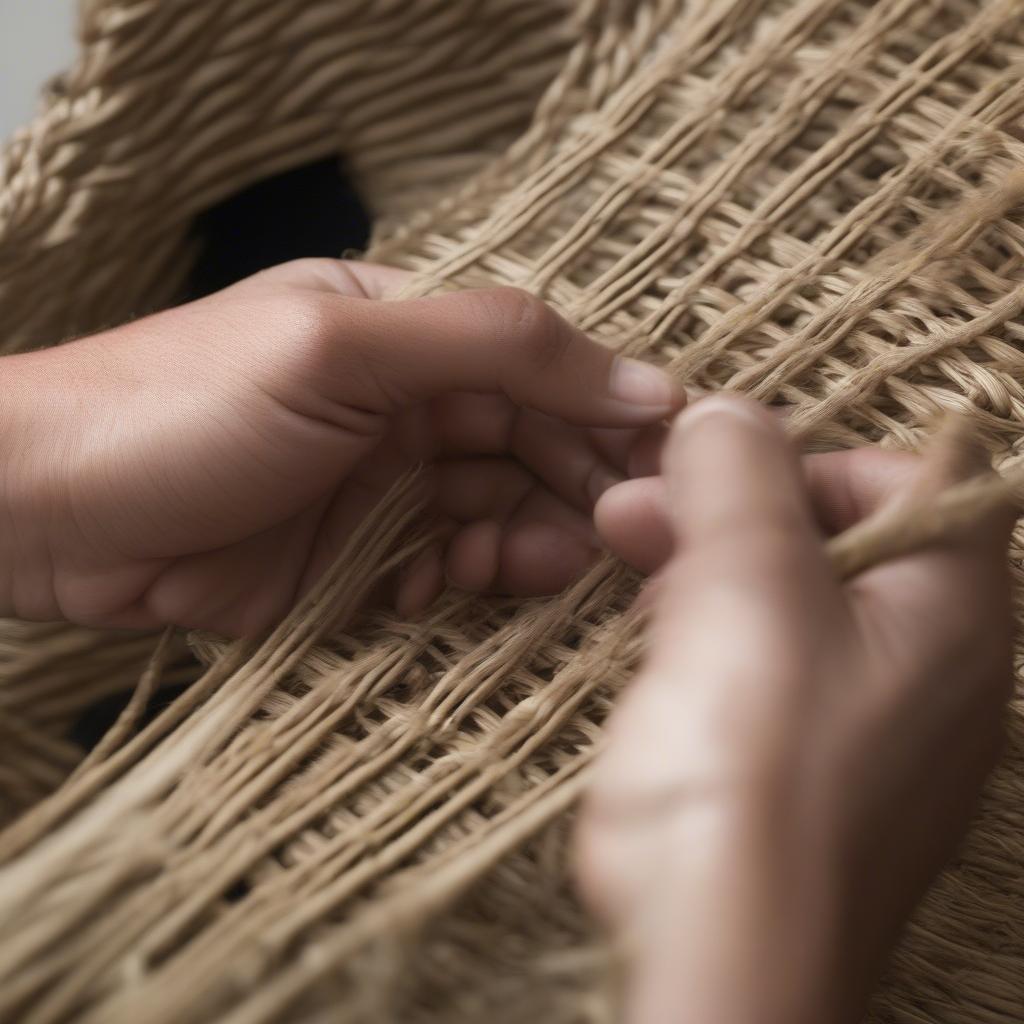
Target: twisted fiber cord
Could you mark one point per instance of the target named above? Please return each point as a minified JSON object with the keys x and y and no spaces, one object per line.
{"x":48,"y":676}
{"x":903,"y":528}
{"x":128,"y":720}
{"x":34,"y":764}
{"x":741,"y":190}
{"x":803,"y":98}
{"x":330,"y":601}
{"x":933,"y":157}
{"x":552,"y":182}
{"x":167,"y":112}
{"x":32,"y":882}
{"x":799,"y":185}
{"x":603,"y":43}
{"x":430,"y":890}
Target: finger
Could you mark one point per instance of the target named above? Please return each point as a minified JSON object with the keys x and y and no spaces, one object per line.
{"x":735,"y":485}
{"x":846,"y":486}
{"x":747,"y":549}
{"x":358,"y":497}
{"x":542,"y":542}
{"x":420,"y":582}
{"x":474,"y":555}
{"x":540,"y":555}
{"x":576,"y":463}
{"x":497,"y":340}
{"x":632,"y":520}
{"x":473,"y":490}
{"x":616,"y":445}
{"x":650,"y":591}
{"x":564,"y":458}
{"x":960,"y":587}
{"x":465,"y":423}
{"x":477,"y":489}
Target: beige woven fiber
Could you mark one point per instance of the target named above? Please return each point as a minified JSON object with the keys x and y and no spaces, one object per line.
{"x":818,"y":202}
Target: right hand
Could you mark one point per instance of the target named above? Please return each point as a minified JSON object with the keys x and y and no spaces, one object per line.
{"x":798,"y":756}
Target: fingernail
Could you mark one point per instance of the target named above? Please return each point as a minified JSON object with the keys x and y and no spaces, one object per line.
{"x":639,"y":383}
{"x":735,"y":408}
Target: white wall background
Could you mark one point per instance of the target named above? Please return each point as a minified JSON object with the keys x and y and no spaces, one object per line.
{"x":36,"y":41}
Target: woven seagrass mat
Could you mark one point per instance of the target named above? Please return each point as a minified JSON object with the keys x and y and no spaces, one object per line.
{"x":818,"y":202}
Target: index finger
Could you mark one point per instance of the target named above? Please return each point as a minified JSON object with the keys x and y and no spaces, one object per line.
{"x":492,"y":340}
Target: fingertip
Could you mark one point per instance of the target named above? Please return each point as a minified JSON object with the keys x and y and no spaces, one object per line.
{"x":646,"y":387}
{"x":632,"y":521}
{"x":737,"y":408}
{"x":718,"y":412}
{"x":733,"y":477}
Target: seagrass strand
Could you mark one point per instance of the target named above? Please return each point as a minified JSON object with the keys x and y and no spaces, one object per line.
{"x":321,"y":858}
{"x":903,"y":531}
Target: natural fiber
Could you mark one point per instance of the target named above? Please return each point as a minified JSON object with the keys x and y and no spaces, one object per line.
{"x":813,"y":201}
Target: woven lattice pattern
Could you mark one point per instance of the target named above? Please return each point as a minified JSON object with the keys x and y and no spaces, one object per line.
{"x":818,"y":202}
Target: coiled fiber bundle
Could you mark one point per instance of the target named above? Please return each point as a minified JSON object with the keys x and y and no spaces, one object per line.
{"x":818,"y":202}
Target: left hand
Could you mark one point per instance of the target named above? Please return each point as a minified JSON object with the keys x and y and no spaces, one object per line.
{"x":203,"y":466}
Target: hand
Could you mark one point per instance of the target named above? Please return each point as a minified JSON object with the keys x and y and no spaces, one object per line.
{"x":203,"y":466}
{"x":797,"y":757}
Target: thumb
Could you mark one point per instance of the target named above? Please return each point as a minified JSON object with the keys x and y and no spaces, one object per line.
{"x":747,"y":549}
{"x":386,"y":355}
{"x":735,"y":484}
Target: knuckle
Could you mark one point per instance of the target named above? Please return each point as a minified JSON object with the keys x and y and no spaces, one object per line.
{"x":531,"y":324}
{"x":510,"y":304}
{"x":302,"y":343}
{"x":313,"y":316}
{"x":334,"y":357}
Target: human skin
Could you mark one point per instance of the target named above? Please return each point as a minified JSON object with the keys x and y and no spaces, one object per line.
{"x":798,"y":756}
{"x":202,"y":467}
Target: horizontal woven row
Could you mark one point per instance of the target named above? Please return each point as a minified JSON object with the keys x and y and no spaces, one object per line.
{"x":818,"y":202}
